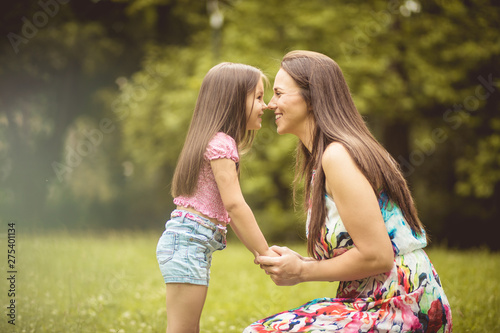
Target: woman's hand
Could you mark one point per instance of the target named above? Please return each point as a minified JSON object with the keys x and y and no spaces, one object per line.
{"x":284,"y":270}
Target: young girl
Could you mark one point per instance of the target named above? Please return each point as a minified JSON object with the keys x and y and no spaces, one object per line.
{"x":206,"y":190}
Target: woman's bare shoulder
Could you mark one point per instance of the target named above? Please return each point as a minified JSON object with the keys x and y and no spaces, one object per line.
{"x":336,"y":155}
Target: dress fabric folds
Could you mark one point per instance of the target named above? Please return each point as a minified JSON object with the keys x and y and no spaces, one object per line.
{"x":409,"y":298}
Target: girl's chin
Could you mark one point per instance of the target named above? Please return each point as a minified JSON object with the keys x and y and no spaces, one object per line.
{"x":254,"y":128}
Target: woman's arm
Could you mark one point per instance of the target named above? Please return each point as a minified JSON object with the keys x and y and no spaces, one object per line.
{"x":360,"y":213}
{"x":242,"y":219}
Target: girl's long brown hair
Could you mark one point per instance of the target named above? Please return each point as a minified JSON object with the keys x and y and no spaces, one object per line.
{"x":220,"y":107}
{"x":337,"y":120}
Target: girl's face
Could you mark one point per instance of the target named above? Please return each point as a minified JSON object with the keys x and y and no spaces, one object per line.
{"x":290,"y":108}
{"x":255,"y":107}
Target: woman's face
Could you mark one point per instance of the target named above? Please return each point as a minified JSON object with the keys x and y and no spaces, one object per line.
{"x":290,"y":108}
{"x":255,"y":107}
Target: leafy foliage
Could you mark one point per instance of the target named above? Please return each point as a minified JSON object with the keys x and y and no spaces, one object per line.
{"x":96,"y":104}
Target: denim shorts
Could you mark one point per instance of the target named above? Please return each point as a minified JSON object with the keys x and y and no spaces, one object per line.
{"x":185,"y":248}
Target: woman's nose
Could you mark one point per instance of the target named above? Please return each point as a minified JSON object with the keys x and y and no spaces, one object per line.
{"x":271,"y":105}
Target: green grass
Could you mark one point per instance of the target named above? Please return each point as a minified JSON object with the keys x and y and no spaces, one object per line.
{"x":111,"y":283}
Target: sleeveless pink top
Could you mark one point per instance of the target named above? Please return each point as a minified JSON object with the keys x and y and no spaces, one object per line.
{"x":206,"y":199}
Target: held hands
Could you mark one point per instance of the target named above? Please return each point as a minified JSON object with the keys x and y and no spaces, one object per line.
{"x":284,"y":269}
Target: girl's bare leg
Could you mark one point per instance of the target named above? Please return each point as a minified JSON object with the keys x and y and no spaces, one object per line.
{"x":184,"y":305}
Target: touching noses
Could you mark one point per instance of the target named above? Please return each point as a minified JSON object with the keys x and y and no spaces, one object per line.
{"x":264,"y":106}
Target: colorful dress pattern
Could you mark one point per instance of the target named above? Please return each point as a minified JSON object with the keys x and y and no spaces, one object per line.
{"x":409,"y":298}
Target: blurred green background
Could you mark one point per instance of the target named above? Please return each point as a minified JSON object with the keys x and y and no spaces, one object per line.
{"x":96,"y":97}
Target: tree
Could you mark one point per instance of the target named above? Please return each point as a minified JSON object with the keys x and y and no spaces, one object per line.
{"x":58,"y":63}
{"x":407,"y":64}
{"x":423,"y":74}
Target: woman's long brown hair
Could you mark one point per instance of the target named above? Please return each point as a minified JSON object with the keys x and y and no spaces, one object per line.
{"x":220,"y":107}
{"x":337,"y":120}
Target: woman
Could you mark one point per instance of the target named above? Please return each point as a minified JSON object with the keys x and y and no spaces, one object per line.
{"x":362,"y":226}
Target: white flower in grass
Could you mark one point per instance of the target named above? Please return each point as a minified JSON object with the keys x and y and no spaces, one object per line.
{"x":126,"y":315}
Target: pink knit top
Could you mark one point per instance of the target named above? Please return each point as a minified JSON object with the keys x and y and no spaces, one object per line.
{"x":206,"y":199}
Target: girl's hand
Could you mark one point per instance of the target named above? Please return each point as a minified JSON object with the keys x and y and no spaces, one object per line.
{"x":269,"y":253}
{"x":289,"y":251}
{"x":284,"y":270}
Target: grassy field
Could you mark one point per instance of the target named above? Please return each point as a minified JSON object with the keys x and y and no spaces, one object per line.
{"x":111,"y":283}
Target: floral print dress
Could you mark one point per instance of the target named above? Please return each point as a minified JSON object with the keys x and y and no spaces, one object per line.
{"x":409,"y":298}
